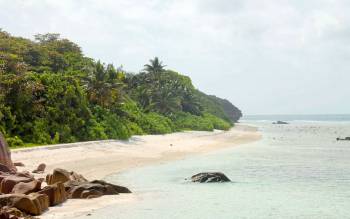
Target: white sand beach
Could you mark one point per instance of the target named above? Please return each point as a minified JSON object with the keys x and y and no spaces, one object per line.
{"x":98,"y":159}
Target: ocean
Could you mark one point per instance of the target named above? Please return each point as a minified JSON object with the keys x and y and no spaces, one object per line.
{"x":297,"y":170}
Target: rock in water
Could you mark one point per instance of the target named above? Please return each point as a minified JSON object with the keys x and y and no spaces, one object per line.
{"x":280,"y":123}
{"x":209,"y":177}
{"x":343,"y":139}
{"x":5,"y":154}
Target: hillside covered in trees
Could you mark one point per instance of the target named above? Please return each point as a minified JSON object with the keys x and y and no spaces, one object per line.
{"x":51,"y":93}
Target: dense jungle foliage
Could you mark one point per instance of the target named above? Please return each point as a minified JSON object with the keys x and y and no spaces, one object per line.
{"x":51,"y":93}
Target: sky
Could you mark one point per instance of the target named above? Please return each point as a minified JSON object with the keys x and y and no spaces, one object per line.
{"x":265,"y":56}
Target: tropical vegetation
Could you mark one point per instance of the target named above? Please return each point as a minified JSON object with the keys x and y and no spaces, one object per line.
{"x":50,"y":92}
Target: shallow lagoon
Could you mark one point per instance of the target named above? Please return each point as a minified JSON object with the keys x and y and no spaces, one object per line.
{"x":295,"y":171}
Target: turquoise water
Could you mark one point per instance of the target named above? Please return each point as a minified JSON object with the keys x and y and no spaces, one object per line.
{"x":295,"y":171}
{"x":319,"y":118}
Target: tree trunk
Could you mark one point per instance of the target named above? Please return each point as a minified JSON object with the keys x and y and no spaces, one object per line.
{"x":5,"y":154}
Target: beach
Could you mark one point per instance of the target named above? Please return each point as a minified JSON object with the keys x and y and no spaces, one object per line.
{"x":99,"y":159}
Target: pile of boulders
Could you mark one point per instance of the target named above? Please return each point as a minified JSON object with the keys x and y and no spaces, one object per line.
{"x":22,"y":195}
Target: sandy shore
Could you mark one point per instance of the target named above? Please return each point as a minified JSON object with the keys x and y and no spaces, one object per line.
{"x":96,"y":160}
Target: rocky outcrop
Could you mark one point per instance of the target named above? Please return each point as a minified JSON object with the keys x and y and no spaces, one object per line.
{"x":56,"y":193}
{"x":5,"y":154}
{"x":23,"y":192}
{"x":209,"y":177}
{"x":34,"y":203}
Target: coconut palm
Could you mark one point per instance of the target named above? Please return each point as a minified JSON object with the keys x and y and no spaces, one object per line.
{"x":155,"y":66}
{"x":103,"y":86}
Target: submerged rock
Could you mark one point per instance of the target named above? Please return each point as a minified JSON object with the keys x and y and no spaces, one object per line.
{"x":209,"y":177}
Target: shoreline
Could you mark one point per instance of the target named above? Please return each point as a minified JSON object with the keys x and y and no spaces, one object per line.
{"x":98,"y":159}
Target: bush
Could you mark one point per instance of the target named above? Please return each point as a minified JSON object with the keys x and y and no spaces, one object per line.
{"x":14,"y":142}
{"x":95,"y":131}
{"x":134,"y":128}
{"x":207,"y":122}
{"x":187,"y":121}
{"x":40,"y":132}
{"x":153,"y":123}
{"x":217,"y":122}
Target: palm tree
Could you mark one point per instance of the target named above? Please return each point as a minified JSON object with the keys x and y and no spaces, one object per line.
{"x":102,"y":85}
{"x":155,"y":66}
{"x":165,"y":101}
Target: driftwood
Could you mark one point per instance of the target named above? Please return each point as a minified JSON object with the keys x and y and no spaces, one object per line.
{"x":5,"y":154}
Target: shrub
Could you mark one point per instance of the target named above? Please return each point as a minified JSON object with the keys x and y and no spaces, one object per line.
{"x":153,"y":123}
{"x":207,"y":122}
{"x":217,"y":122}
{"x":14,"y":141}
{"x":187,"y":121}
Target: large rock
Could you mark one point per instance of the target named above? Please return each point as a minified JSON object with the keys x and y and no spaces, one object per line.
{"x":56,"y":193}
{"x":209,"y":177}
{"x":94,"y":189}
{"x":58,"y":175}
{"x":5,"y":154}
{"x":85,"y":190}
{"x":27,"y":187}
{"x":34,"y":203}
{"x":119,"y":189}
{"x":62,"y":175}
{"x":9,"y":181}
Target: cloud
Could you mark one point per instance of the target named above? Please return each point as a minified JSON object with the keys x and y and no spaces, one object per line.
{"x":266,"y":56}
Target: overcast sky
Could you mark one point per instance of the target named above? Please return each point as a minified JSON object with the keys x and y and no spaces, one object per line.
{"x":265,"y":56}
